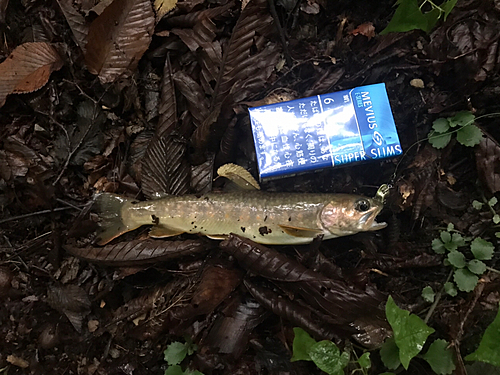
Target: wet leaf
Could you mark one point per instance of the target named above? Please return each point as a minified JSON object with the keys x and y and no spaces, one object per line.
{"x":410,"y":332}
{"x":466,"y":281}
{"x":138,"y":252}
{"x":118,"y":38}
{"x":440,"y":357}
{"x":488,"y":162}
{"x":482,"y":249}
{"x":27,"y":69}
{"x":327,"y":356}
{"x":489,"y":347}
{"x":76,"y":21}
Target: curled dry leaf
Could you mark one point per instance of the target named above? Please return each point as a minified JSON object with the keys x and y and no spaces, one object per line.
{"x":119,"y":37}
{"x":239,"y":175}
{"x":138,"y":252}
{"x":367,"y":29}
{"x":27,"y":69}
{"x":488,"y":163}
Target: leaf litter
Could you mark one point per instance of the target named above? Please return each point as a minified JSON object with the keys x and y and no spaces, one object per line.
{"x":205,"y":62}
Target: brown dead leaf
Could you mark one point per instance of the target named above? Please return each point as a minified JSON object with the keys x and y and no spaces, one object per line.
{"x":488,"y":163}
{"x":367,"y":29}
{"x":18,"y":361}
{"x":76,"y":21}
{"x":27,"y":69}
{"x":118,"y":38}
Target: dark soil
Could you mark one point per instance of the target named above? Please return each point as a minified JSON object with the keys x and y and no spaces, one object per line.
{"x":166,"y":128}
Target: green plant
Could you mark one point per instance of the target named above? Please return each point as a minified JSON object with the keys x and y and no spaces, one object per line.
{"x":489,"y":347}
{"x":410,"y":335}
{"x":465,"y":271}
{"x":410,"y":15}
{"x":326,"y":355}
{"x":462,"y":124}
{"x":489,"y":204}
{"x":175,"y":353}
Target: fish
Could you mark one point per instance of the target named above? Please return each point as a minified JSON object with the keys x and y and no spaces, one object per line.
{"x":264,"y":217}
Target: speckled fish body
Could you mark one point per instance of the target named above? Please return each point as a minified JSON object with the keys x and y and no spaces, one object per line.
{"x":268,"y":218}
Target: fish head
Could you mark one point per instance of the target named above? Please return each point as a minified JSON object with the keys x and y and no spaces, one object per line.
{"x":348,"y":214}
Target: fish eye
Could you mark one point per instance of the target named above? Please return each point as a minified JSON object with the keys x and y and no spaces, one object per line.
{"x":362,"y":205}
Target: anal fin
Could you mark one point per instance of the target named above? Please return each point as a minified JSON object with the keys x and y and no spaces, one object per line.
{"x":159,"y":231}
{"x":300,"y":232}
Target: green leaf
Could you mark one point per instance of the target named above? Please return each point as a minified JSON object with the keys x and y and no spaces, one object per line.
{"x":450,"y":227}
{"x":175,"y":353}
{"x":476,"y":266}
{"x":428,"y":294}
{"x":440,"y":358}
{"x":174,"y":370}
{"x":466,"y":281}
{"x":477,"y":205}
{"x":496,"y":219}
{"x":469,"y":135}
{"x":364,"y":361}
{"x":448,"y":6}
{"x":497,"y":234}
{"x":445,"y":236}
{"x":450,"y":288}
{"x":489,"y":347}
{"x":462,"y":118}
{"x":326,"y":355}
{"x":408,"y":16}
{"x":482,"y":249}
{"x":410,"y":332}
{"x":389,"y":353}
{"x":441,"y":125}
{"x":457,"y":239}
{"x":438,"y":246}
{"x":439,"y":140}
{"x":456,"y":259}
{"x":492,"y":202}
{"x":302,"y":343}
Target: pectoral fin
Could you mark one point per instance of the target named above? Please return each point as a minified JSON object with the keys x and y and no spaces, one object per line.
{"x":159,"y":231}
{"x":217,"y":236}
{"x":300,"y":232}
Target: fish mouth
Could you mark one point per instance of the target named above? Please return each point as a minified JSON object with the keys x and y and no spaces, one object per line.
{"x":369,"y":221}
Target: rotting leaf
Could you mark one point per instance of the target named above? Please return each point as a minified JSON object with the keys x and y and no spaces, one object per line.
{"x":138,"y":252}
{"x":27,"y":69}
{"x":76,"y":22}
{"x":488,"y":163}
{"x":118,"y":38}
{"x":72,"y":301}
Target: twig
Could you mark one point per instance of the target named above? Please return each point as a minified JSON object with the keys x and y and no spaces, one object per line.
{"x":43,"y":212}
{"x":437,"y":299}
{"x":272,"y":8}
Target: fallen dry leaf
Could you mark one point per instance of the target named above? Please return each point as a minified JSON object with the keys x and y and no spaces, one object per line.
{"x":27,"y":69}
{"x":76,"y":21}
{"x":162,"y":7}
{"x":118,"y":38}
{"x":17,"y":361}
{"x":367,"y":29}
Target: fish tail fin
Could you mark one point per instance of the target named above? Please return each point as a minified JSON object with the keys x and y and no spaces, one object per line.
{"x":109,"y":207}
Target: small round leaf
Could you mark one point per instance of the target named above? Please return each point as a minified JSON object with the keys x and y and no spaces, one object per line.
{"x":465,"y":280}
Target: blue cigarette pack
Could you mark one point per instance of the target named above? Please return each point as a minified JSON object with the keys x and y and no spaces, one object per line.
{"x":324,"y":131}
